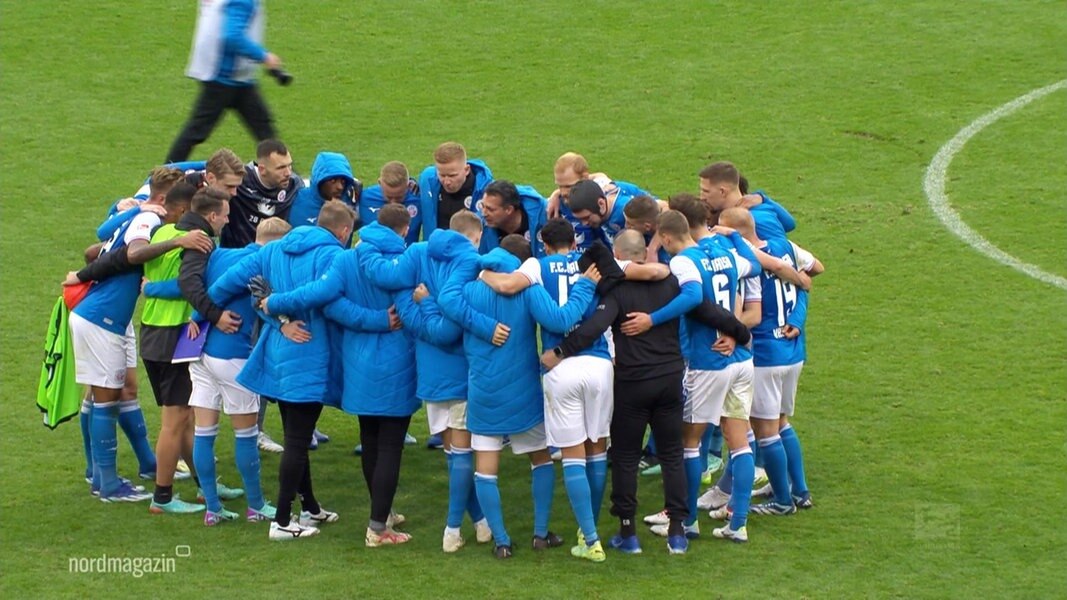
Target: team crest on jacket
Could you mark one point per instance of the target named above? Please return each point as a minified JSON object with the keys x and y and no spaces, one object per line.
{"x":526,"y":235}
{"x":413,"y":211}
{"x":281,"y":196}
{"x":467,"y":202}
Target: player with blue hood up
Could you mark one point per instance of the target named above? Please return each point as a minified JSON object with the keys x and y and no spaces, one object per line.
{"x":331,"y":179}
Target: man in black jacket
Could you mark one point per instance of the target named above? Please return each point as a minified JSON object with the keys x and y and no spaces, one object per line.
{"x":267,"y":190}
{"x":648,"y":389}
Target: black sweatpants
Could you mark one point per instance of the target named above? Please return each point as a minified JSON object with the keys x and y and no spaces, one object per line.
{"x":213,"y":100}
{"x":383,"y":446}
{"x":656,"y":402}
{"x":294,"y":472}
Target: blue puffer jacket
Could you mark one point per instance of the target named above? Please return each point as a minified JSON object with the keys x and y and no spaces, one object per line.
{"x":536,"y":211}
{"x":504,"y":386}
{"x":277,"y":367}
{"x":379,"y":364}
{"x":308,"y":201}
{"x":430,"y":193}
{"x":439,"y":357}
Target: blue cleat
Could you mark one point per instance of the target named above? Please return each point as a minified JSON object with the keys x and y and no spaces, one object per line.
{"x":126,"y":493}
{"x":677,"y":544}
{"x":626,"y":545}
{"x":434,"y":442}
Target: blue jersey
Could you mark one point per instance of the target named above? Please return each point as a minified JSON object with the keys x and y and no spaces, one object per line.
{"x":583,"y":236}
{"x":616,"y":221}
{"x":373,"y":200}
{"x":110,"y":303}
{"x":717,"y":272}
{"x":238,"y":344}
{"x":613,"y":223}
{"x":783,"y":304}
{"x":558,"y":274}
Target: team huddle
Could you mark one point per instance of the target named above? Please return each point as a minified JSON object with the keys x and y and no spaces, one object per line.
{"x":551,"y":325}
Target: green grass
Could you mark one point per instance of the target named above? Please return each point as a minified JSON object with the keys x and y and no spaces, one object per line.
{"x":932,"y":406}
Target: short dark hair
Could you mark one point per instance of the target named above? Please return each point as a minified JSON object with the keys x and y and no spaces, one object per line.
{"x":208,"y":200}
{"x":267,"y":147}
{"x":642,"y":208}
{"x":742,"y":184}
{"x":394,"y":216}
{"x":692,"y":208}
{"x":721,"y":172}
{"x":517,"y":245}
{"x":585,"y":195}
{"x":557,"y":233}
{"x":181,"y":193}
{"x":672,"y":222}
{"x":506,"y":191}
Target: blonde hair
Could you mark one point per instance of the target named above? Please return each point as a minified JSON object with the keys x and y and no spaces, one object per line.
{"x":162,"y":179}
{"x":271,"y":229}
{"x":449,"y":152}
{"x":336,"y":214}
{"x":572,"y":161}
{"x":224,"y":162}
{"x":465,"y":222}
{"x":394,"y":173}
{"x":738,"y":218}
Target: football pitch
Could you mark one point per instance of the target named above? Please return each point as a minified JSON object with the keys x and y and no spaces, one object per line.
{"x":932,"y":406}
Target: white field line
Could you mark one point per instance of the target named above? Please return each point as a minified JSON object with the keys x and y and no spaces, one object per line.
{"x":934,"y":185}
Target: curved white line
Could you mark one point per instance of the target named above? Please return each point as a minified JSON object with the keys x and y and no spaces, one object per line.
{"x":934,"y":185}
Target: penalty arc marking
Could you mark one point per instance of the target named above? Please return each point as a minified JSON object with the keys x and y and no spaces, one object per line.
{"x":934,"y":185}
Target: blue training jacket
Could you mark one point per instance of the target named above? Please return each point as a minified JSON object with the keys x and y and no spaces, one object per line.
{"x":536,"y":212}
{"x":379,"y":364}
{"x":308,"y":201}
{"x":239,"y":344}
{"x":772,"y":220}
{"x":504,"y":385}
{"x":277,"y":367}
{"x":372,"y":200}
{"x":439,"y":357}
{"x":430,"y":193}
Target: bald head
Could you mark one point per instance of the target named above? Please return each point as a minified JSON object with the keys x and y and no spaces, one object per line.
{"x":740,"y":219}
{"x":630,"y":245}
